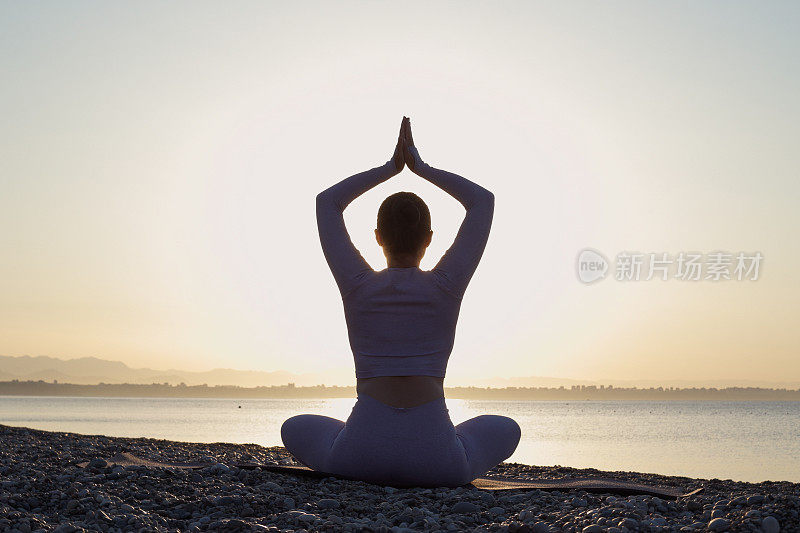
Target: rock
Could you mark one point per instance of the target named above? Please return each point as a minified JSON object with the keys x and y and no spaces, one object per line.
{"x":755,"y":499}
{"x":273,"y":487}
{"x":739,"y":500}
{"x":98,"y":463}
{"x":405,"y":517}
{"x":514,"y":498}
{"x":770,"y":525}
{"x":594,"y":528}
{"x":235,"y":523}
{"x":496,"y":511}
{"x":431,"y":524}
{"x":487,"y":497}
{"x":465,"y":508}
{"x":307,"y":517}
{"x":694,"y":505}
{"x":224,"y":501}
{"x":219,"y":468}
{"x":719,"y":524}
{"x":540,"y":527}
{"x":328,"y":503}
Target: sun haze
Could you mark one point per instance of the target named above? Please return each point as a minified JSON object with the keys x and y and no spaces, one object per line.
{"x":160,"y":164}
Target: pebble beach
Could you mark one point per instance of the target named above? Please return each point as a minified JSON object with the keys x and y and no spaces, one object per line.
{"x":42,"y":488}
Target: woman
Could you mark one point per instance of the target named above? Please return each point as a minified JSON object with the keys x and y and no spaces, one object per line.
{"x":401,"y":322}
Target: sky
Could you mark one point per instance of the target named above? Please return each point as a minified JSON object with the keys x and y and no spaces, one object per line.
{"x":160,"y":164}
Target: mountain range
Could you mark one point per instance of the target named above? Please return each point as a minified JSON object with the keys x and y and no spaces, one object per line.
{"x":93,"y":370}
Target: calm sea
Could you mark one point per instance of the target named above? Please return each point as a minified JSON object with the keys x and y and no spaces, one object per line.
{"x":747,"y":441}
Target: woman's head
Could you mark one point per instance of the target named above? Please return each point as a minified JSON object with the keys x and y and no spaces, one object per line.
{"x":404,"y":226}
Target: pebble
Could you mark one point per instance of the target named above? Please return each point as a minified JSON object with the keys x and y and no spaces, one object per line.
{"x":42,"y":490}
{"x":272,"y":486}
{"x":719,"y":524}
{"x":97,"y":463}
{"x":328,"y":503}
{"x":465,"y":507}
{"x":496,"y":511}
{"x":770,"y":525}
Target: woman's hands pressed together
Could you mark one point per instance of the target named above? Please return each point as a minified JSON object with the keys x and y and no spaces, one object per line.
{"x":399,"y":151}
{"x":405,"y":153}
{"x":409,"y":150}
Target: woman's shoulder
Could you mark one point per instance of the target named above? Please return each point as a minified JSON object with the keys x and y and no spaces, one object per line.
{"x":403,"y":280}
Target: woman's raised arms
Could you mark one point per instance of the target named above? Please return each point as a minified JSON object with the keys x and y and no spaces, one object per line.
{"x":458,"y":264}
{"x":346,"y":263}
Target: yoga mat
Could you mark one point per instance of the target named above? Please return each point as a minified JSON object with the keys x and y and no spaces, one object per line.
{"x":494,"y":483}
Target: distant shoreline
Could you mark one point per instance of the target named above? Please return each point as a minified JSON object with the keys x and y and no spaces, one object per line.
{"x":290,"y":391}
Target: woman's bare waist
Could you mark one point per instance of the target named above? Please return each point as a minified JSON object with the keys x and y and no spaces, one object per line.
{"x":402,"y":391}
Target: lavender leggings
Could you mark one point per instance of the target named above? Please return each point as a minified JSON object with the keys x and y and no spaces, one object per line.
{"x":401,"y":446}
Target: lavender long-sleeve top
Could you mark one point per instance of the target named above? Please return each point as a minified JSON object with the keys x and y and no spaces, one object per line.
{"x":402,"y":321}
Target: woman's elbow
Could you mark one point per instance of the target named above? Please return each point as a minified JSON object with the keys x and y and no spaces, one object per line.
{"x":325,"y":199}
{"x":487,"y":198}
{"x":482,"y":199}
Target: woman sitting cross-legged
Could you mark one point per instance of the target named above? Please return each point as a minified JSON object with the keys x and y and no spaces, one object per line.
{"x":401,"y":322}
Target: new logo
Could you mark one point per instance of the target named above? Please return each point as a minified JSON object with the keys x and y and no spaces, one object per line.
{"x":591,"y":266}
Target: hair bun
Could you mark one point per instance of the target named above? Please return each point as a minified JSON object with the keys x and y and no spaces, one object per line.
{"x":409,"y":214}
{"x":406,"y":213}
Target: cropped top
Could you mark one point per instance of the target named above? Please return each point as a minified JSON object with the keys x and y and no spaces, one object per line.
{"x":402,"y":321}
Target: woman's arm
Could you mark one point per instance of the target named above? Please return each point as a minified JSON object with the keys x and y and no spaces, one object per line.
{"x":460,"y":261}
{"x":345,"y":261}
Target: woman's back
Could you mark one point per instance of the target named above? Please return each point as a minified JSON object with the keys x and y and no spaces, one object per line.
{"x":401,"y":322}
